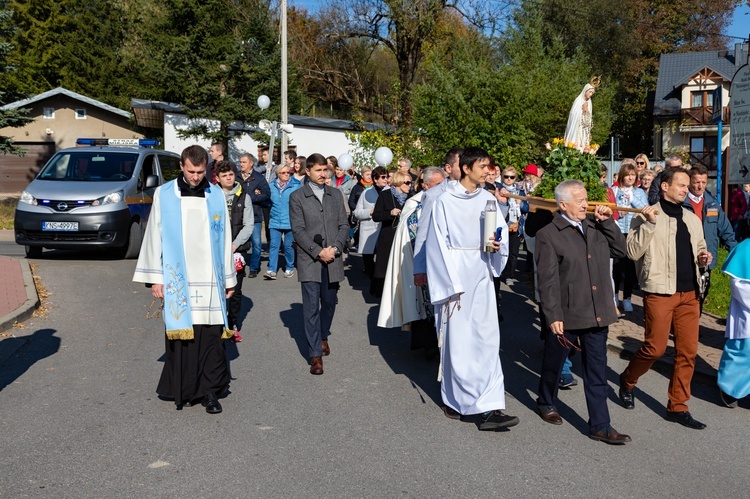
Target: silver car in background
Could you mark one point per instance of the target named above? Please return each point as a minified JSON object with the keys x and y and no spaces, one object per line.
{"x":93,"y":197}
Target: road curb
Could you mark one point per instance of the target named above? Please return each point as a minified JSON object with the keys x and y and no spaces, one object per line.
{"x":32,"y":300}
{"x":664,"y":364}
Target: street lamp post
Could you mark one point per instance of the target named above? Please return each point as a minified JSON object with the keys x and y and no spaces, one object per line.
{"x":284,"y":102}
{"x":272,"y":127}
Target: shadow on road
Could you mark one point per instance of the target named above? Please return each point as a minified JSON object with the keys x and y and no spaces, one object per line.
{"x":22,"y":353}
{"x":293,"y":320}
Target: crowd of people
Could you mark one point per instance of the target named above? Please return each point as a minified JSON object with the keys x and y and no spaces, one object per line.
{"x":436,"y":272}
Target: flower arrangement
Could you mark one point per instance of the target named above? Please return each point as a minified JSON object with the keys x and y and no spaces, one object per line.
{"x":567,"y":161}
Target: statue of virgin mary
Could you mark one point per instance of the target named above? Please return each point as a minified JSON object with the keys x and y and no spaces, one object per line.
{"x":580,"y":120}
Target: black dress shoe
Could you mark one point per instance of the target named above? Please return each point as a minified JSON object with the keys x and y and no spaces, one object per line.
{"x":685,"y":419}
{"x":610,"y":436}
{"x":450,"y":413}
{"x":626,"y":397}
{"x":728,"y":400}
{"x":211,"y":403}
{"x":549,"y":414}
{"x":493,"y":420}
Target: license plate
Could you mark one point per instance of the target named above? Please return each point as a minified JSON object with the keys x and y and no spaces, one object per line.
{"x":66,"y":226}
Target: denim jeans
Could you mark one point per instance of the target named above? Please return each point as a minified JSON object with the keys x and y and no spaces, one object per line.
{"x":566,"y":369}
{"x":255,"y":239}
{"x":273,"y":249}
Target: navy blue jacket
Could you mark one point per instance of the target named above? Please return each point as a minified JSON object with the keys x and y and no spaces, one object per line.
{"x":716,"y":226}
{"x":257,"y":181}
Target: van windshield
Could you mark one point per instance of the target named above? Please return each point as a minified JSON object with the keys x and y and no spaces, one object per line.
{"x":90,"y":166}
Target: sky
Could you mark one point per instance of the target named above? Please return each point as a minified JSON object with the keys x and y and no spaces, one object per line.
{"x":740,"y":26}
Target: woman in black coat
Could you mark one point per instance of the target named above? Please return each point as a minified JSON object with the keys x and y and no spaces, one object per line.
{"x":387,"y":211}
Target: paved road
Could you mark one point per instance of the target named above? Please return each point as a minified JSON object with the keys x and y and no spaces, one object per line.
{"x":81,"y":418}
{"x":8,"y":246}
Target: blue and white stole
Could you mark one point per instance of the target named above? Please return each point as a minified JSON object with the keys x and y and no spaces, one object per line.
{"x":177,"y":315}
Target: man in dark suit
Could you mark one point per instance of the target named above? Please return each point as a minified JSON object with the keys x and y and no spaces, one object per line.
{"x":572,"y":256}
{"x":320,"y":229}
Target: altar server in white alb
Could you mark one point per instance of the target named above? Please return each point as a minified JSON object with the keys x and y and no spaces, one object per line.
{"x":459,"y":274}
{"x":186,"y":257}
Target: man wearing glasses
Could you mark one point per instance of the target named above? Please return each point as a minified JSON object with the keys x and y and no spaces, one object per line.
{"x":572,"y":256}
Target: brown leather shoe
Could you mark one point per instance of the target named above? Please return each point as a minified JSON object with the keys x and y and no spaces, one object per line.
{"x":316,"y":366}
{"x":610,"y":436}
{"x":549,"y":414}
{"x":326,"y":348}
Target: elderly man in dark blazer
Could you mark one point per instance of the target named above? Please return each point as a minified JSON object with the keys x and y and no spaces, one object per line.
{"x":320,"y":228}
{"x":572,"y":256}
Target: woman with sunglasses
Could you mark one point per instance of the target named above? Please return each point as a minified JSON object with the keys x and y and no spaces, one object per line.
{"x":512,"y":213}
{"x":641,"y":164}
{"x":387,"y":211}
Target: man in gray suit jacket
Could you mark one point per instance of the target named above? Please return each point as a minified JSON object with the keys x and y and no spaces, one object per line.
{"x":320,"y":228}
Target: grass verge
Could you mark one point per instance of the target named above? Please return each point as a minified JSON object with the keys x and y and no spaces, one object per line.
{"x":719,"y":295}
{"x":7,"y":211}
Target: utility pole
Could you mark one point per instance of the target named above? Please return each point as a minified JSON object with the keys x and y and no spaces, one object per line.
{"x":284,"y":102}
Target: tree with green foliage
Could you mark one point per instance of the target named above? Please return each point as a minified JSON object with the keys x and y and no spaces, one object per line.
{"x":69,"y":43}
{"x":510,"y":103}
{"x":213,"y":56}
{"x":624,"y":40}
{"x":11,"y":117}
{"x":404,"y":28}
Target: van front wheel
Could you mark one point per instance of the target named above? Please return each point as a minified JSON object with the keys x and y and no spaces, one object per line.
{"x":33,"y":251}
{"x":135,"y":238}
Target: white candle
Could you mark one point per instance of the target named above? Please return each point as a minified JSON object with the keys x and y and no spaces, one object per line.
{"x":490,"y":225}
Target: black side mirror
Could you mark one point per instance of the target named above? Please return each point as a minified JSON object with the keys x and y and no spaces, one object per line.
{"x":152,"y":181}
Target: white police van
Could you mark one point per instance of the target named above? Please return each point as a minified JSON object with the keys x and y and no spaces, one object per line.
{"x":97,"y":195}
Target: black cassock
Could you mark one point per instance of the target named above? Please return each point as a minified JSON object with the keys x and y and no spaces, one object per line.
{"x":194,"y":368}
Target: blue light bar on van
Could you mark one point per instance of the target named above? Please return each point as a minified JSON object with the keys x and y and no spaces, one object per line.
{"x":118,"y":142}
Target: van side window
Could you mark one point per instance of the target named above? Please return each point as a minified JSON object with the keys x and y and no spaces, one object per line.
{"x":148,"y":166}
{"x":170,"y":167}
{"x":146,"y":170}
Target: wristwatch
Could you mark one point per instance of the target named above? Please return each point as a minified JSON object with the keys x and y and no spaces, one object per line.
{"x":336,"y":251}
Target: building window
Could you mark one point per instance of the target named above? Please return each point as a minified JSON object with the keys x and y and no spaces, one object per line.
{"x":48,"y":113}
{"x":702,"y":99}
{"x":80,"y":114}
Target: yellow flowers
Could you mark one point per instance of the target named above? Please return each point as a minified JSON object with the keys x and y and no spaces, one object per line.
{"x":558,"y":142}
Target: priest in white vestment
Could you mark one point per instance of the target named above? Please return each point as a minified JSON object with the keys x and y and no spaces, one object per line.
{"x":186,"y":257}
{"x":402,"y":301}
{"x":459,"y":274}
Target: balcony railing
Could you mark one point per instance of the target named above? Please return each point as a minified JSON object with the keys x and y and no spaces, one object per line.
{"x":701,"y":116}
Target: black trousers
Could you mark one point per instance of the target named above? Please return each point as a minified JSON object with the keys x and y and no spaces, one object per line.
{"x":368,"y":260}
{"x":234,"y":304}
{"x":623,"y":270}
{"x":593,"y":343}
{"x":318,"y":307}
{"x":514,"y":246}
{"x":266,"y":221}
{"x":194,"y":368}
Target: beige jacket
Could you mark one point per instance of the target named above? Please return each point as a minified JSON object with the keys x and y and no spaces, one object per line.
{"x":653,"y":248}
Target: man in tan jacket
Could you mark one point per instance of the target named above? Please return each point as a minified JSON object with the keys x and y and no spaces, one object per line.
{"x":668,"y":249}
